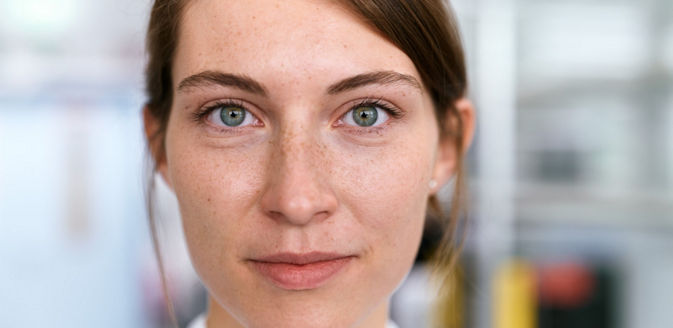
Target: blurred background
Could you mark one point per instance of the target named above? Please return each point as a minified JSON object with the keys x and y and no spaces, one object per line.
{"x":571,"y":172}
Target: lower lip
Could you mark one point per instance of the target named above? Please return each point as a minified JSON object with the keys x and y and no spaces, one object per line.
{"x":301,"y":276}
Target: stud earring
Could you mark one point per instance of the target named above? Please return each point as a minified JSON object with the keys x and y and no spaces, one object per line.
{"x":432,"y":184}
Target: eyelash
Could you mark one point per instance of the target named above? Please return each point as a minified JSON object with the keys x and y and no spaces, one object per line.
{"x":396,"y":113}
{"x":379,"y":103}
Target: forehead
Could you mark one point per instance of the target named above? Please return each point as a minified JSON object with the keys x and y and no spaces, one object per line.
{"x":298,"y":39}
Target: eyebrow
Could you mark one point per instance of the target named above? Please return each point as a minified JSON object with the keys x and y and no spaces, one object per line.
{"x":208,"y":78}
{"x":245,"y":83}
{"x":380,"y":77}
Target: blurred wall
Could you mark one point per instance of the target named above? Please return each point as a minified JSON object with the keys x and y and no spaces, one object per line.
{"x":72,"y":226}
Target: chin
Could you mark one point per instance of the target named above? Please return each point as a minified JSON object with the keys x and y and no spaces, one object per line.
{"x":269,"y":307}
{"x":304,"y":315}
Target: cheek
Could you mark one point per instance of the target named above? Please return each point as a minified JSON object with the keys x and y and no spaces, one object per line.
{"x":214,"y":188}
{"x":391,"y":181}
{"x":386,"y":191}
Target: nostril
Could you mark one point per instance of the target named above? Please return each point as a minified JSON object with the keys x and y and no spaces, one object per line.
{"x":321,"y":215}
{"x":275,"y":215}
{"x":299,"y":210}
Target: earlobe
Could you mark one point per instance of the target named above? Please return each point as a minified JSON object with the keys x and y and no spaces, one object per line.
{"x":447,"y":153}
{"x":155,"y":144}
{"x":162,"y":169}
{"x":445,"y":166}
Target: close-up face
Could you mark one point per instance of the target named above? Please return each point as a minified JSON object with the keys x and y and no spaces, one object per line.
{"x":300,"y":145}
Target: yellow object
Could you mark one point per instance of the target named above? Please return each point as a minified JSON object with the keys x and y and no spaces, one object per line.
{"x":449,"y":306}
{"x":514,"y":299}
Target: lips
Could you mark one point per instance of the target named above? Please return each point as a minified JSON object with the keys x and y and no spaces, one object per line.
{"x":291,"y":271}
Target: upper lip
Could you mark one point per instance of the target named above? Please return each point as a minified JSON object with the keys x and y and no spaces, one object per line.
{"x":300,"y":258}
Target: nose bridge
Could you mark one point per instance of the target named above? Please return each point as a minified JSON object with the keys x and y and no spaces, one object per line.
{"x":296,"y":154}
{"x":295,"y":147}
{"x":297,"y":192}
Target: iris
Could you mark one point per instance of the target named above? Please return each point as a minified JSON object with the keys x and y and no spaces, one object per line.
{"x":232,"y":116}
{"x":365,"y":115}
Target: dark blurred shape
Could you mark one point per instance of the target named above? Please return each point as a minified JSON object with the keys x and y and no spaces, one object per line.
{"x":557,"y":294}
{"x":573,"y":295}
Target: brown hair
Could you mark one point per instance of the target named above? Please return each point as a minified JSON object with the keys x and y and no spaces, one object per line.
{"x":425,"y":30}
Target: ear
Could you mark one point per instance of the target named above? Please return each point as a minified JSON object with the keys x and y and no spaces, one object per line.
{"x":447,"y":153}
{"x":155,"y":144}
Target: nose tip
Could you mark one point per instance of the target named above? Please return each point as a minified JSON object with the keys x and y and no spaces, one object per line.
{"x":297,"y":192}
{"x":300,"y":208}
{"x":298,"y":200}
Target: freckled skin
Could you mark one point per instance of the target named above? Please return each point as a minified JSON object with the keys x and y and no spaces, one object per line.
{"x":298,"y":183}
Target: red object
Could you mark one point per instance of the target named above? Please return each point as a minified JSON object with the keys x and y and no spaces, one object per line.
{"x":565,"y":284}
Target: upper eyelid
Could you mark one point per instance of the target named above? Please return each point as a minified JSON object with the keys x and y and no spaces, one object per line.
{"x":392,"y":108}
{"x":215,"y":104}
{"x":223,"y":102}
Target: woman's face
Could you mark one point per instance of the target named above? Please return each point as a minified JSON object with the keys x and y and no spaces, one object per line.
{"x":300,"y":146}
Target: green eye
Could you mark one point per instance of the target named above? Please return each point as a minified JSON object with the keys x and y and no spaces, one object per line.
{"x":365,"y":115}
{"x":232,"y":116}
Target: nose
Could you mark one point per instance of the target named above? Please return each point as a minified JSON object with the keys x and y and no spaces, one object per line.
{"x":298,"y":190}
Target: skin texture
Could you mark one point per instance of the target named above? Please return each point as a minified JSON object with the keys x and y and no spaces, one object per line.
{"x":301,"y":177}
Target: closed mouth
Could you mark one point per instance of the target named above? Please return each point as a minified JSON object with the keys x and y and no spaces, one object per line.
{"x":294,"y":271}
